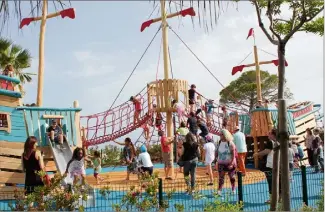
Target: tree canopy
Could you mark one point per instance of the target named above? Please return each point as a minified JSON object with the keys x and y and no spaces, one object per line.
{"x":19,"y":58}
{"x":244,"y":91}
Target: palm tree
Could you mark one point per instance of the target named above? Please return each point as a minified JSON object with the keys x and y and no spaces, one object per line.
{"x":17,"y":57}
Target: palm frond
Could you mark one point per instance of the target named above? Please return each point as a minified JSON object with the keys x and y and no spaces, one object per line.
{"x":15,"y":49}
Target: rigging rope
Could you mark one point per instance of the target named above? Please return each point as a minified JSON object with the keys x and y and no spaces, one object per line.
{"x":268,"y":52}
{"x":145,"y":51}
{"x":159,"y":59}
{"x":205,"y":67}
{"x":244,"y":58}
{"x":170,"y":63}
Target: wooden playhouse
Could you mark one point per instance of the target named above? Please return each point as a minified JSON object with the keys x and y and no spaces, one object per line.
{"x":17,"y":122}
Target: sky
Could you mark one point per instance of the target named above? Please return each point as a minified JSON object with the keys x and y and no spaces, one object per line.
{"x":89,"y":58}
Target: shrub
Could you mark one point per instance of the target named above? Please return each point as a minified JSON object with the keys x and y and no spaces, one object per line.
{"x":51,"y":197}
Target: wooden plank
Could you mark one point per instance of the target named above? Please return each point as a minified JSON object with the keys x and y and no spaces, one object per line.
{"x":52,"y":116}
{"x":8,"y":101}
{"x":12,"y":177}
{"x":4,"y":159}
{"x":10,"y":166}
{"x":73,"y":140}
{"x":307,"y":118}
{"x":12,"y":145}
{"x":36,"y":126}
{"x":9,"y":151}
{"x":303,"y":128}
{"x":8,"y":192}
{"x":69,"y":129}
{"x":29,"y":122}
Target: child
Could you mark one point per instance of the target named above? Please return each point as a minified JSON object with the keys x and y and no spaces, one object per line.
{"x":300,"y":152}
{"x":129,"y":154}
{"x":291,"y":156}
{"x":137,"y":109}
{"x":225,"y":117}
{"x":180,"y":110}
{"x":209,"y":110}
{"x":158,"y":122}
{"x":191,"y":96}
{"x":209,"y":150}
{"x":181,"y":133}
{"x":145,"y":160}
{"x":77,"y":164}
{"x":145,"y":127}
{"x":97,"y":166}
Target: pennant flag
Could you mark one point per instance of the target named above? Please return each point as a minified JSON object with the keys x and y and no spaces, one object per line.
{"x":237,"y":69}
{"x":276,"y":62}
{"x":250,"y":33}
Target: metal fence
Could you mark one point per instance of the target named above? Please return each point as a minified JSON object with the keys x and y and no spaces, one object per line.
{"x":252,"y":190}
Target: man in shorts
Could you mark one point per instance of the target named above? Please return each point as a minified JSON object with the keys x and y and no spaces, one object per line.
{"x":166,"y":151}
{"x":55,"y":133}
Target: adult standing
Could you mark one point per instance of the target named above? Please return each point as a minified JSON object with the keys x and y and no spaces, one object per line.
{"x":190,"y":159}
{"x":226,"y":160}
{"x":240,"y":142}
{"x":32,"y":162}
{"x":309,"y":145}
{"x":192,"y":123}
{"x":316,"y":149}
{"x":266,"y":160}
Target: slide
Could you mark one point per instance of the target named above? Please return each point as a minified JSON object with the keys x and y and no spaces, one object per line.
{"x":61,"y":159}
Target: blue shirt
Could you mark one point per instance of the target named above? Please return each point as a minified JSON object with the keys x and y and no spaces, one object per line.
{"x":240,"y":142}
{"x":210,"y":108}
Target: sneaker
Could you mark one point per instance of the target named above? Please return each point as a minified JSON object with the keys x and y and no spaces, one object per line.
{"x":268,"y":201}
{"x":233,"y":192}
{"x":210,"y":184}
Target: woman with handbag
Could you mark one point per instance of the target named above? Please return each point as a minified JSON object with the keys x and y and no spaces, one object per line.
{"x":189,"y":160}
{"x":226,"y":159}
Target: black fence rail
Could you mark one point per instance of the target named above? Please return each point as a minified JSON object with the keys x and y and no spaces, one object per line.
{"x":250,"y":194}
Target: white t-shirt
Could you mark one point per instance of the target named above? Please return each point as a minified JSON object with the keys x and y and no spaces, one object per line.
{"x":145,"y":159}
{"x":269,"y":159}
{"x":291,"y":155}
{"x":209,"y":149}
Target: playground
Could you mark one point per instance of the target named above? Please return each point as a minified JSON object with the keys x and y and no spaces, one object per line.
{"x":66,"y":136}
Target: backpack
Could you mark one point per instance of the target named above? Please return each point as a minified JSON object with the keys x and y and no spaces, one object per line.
{"x":235,"y":149}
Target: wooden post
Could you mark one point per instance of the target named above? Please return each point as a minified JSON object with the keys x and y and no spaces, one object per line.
{"x":77,"y":124}
{"x":169,"y":117}
{"x":258,"y":78}
{"x":39,"y":100}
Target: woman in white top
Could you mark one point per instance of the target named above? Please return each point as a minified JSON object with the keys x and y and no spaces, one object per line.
{"x":145,"y":160}
{"x":309,"y":145}
{"x":209,"y":150}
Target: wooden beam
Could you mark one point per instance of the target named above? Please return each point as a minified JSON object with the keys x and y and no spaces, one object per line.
{"x":45,"y":116}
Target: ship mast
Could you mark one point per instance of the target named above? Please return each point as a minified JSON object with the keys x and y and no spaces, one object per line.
{"x":169,"y":117}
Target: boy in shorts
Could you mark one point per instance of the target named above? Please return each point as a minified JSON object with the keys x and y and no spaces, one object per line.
{"x":166,"y":151}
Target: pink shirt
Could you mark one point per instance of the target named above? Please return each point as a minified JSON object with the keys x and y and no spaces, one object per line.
{"x":165,"y":148}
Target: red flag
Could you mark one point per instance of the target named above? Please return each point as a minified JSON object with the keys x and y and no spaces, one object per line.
{"x":250,"y":33}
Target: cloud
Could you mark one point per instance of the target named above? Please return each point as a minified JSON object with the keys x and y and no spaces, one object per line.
{"x":91,"y":64}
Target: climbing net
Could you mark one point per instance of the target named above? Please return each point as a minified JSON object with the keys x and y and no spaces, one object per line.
{"x":119,"y":120}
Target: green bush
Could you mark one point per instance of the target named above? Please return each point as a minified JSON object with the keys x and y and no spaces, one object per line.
{"x":51,"y":197}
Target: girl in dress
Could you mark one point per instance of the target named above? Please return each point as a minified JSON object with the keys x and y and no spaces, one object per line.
{"x":76,"y":166}
{"x":180,"y":110}
{"x":97,"y":166}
